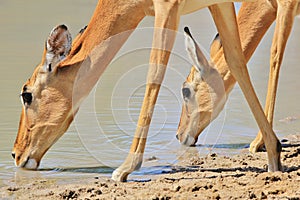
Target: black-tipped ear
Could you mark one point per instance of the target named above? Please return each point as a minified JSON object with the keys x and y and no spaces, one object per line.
{"x":187,"y":31}
{"x":197,"y":57}
{"x":58,"y":46}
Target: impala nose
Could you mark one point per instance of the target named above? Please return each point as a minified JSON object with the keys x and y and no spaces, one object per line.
{"x":13,"y":154}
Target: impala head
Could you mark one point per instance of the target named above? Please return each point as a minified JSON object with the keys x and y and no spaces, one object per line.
{"x":203,"y":94}
{"x":47,"y":102}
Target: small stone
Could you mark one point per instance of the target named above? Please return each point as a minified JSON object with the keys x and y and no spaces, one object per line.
{"x":196,"y":188}
{"x":176,"y":188}
{"x":13,"y":189}
{"x":284,"y":140}
{"x":213,"y":155}
{"x":252,"y":195}
{"x":98,"y":192}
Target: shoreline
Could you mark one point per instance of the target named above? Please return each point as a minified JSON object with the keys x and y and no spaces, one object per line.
{"x":214,"y":176}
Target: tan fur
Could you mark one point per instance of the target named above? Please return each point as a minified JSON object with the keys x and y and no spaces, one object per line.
{"x":286,"y":12}
{"x":251,"y":30}
{"x":57,"y":95}
{"x":254,"y":19}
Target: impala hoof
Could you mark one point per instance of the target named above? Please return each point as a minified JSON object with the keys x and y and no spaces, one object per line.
{"x":274,"y":164}
{"x":133,"y":162}
{"x":119,"y":175}
{"x":255,"y":147}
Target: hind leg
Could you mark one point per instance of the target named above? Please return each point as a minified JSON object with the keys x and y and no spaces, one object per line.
{"x":225,"y":19}
{"x":284,"y":23}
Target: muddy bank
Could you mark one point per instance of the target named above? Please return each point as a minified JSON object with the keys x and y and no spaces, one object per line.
{"x":241,"y":176}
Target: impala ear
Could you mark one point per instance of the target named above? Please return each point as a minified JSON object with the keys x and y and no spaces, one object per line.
{"x":58,"y":46}
{"x":197,"y":57}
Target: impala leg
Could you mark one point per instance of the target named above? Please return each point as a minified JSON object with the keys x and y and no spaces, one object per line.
{"x":225,"y":19}
{"x":284,"y":23}
{"x":166,"y":21}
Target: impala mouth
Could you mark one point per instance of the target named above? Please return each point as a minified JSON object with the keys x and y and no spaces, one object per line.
{"x":29,"y":163}
{"x":187,"y":140}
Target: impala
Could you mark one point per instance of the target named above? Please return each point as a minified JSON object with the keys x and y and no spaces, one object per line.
{"x":68,"y":72}
{"x":254,"y":19}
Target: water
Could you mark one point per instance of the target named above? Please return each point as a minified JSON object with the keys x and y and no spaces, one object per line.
{"x":95,"y":146}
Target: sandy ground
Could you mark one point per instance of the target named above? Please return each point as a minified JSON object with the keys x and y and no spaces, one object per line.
{"x":241,"y":176}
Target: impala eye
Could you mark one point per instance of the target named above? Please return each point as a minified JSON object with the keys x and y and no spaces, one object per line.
{"x":27,"y":97}
{"x":186,"y":93}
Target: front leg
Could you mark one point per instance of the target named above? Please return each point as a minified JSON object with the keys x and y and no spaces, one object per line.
{"x":284,"y":23}
{"x":166,"y":21}
{"x":225,"y":19}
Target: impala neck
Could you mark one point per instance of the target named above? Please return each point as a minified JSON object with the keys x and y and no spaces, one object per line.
{"x":110,"y":26}
{"x":111,"y":17}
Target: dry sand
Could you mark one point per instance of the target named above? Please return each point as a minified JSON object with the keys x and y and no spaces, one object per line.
{"x":241,"y":176}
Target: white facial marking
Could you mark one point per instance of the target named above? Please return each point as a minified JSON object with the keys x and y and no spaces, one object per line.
{"x":189,"y":140}
{"x":31,"y":164}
